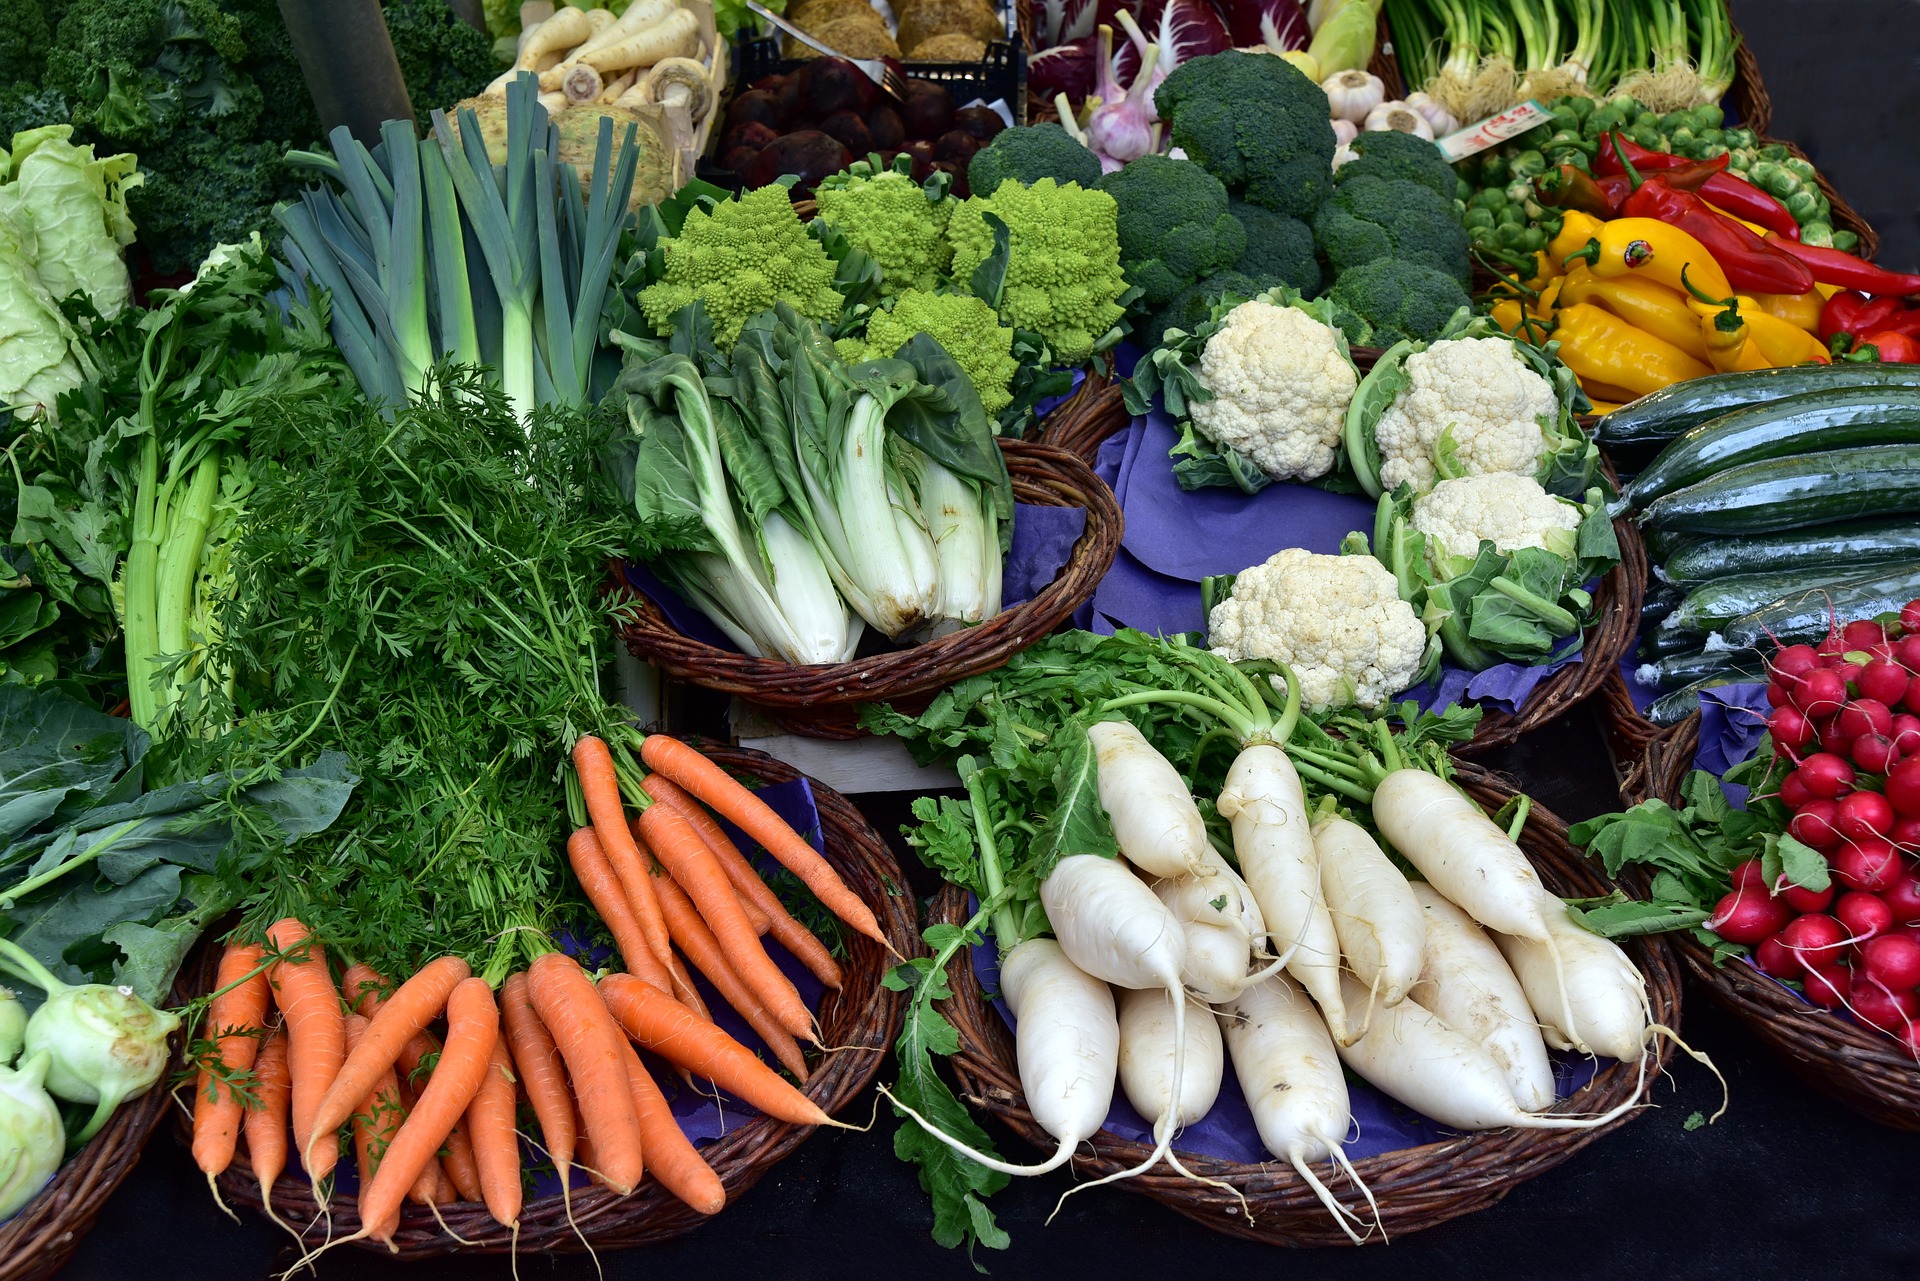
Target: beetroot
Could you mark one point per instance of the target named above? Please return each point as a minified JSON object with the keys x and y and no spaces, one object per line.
{"x":928,"y":111}
{"x":1871,"y":864}
{"x":956,"y":146}
{"x":793,"y":101}
{"x":849,"y":130}
{"x":809,"y":154}
{"x":982,"y":122}
{"x":749,"y":133}
{"x":888,"y":130}
{"x":771,"y":84}
{"x":1894,"y":961}
{"x":1816,"y":938}
{"x":739,"y":159}
{"x":1747,"y":916}
{"x":1863,"y":915}
{"x":829,"y":85}
{"x":1813,"y":825}
{"x":758,"y":106}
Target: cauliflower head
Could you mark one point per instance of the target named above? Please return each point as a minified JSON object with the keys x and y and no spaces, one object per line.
{"x":1471,"y":406}
{"x":889,"y":215}
{"x":1281,"y":387}
{"x":740,"y":259}
{"x":1508,"y":510}
{"x":961,"y":323}
{"x":1337,"y":621}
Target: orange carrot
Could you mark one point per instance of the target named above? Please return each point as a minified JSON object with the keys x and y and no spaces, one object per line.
{"x":680,"y":850}
{"x":672,"y":1159}
{"x":537,"y":1063}
{"x":473,"y":1025}
{"x":667,"y":1029}
{"x":496,"y":1146}
{"x":600,"y":786}
{"x":364,"y":987}
{"x":316,"y":1038}
{"x":266,"y":1125}
{"x":375,"y":1120}
{"x":457,"y":1157}
{"x":426,"y":1188}
{"x":698,"y":942}
{"x":401,"y":1017}
{"x":685,"y":992}
{"x":589,"y":1040}
{"x":583,"y":1152}
{"x":790,"y":934}
{"x":609,"y":898}
{"x":239,"y":1009}
{"x":753,"y":816}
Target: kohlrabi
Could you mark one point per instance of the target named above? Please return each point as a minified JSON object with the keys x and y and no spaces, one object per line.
{"x":32,"y":1142}
{"x":103,"y":1044}
{"x":13,"y":1025}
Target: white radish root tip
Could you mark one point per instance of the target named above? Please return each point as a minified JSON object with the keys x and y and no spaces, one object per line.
{"x":1060,"y":1157}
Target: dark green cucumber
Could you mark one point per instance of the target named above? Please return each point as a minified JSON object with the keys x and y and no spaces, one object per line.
{"x":1663,"y":545}
{"x":1664,"y":414}
{"x":1819,"y":420}
{"x":1676,"y":670}
{"x":1806,"y":617}
{"x":1662,"y":599}
{"x":1843,"y":546}
{"x":1713,"y":605}
{"x":1792,"y":493}
{"x":1664,"y":642}
{"x":1674,"y":707}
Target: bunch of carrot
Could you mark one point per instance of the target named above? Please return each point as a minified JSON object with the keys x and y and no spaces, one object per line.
{"x":433,"y":1118}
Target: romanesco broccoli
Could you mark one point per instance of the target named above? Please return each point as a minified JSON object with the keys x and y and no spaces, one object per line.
{"x":961,"y":323}
{"x":739,"y":260}
{"x":898,"y":221}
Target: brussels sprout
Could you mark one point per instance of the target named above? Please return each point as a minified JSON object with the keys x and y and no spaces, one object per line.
{"x":1849,"y":241}
{"x":1818,"y":234}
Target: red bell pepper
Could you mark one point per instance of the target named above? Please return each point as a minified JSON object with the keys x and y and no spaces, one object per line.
{"x":1833,"y":267}
{"x":1752,"y":265}
{"x":1895,"y":348}
{"x":1853,"y":313}
{"x":1724,"y":190}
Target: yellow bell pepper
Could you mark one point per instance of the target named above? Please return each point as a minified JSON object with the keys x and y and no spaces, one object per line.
{"x":1548,"y":299}
{"x":1652,"y":250}
{"x":1508,"y":314}
{"x":1641,"y":303}
{"x":1545,"y":268}
{"x":1576,"y":229}
{"x":1781,"y":342}
{"x":1802,"y":311}
{"x":1605,"y":406}
{"x":1606,"y":391}
{"x":1602,"y":348}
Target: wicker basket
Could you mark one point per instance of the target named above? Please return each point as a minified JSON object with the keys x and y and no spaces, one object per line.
{"x":38,"y":1241}
{"x":860,"y":1021}
{"x":1417,"y":1188}
{"x":1845,"y":217}
{"x":823,"y":701}
{"x":1864,"y":1069}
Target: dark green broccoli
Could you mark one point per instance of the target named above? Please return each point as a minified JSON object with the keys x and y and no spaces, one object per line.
{"x":1396,"y":299}
{"x":1279,"y":248}
{"x":1373,"y":218}
{"x":1387,"y":153}
{"x":1255,"y":122}
{"x":442,"y":59}
{"x":1030,"y":153}
{"x":1191,"y":306}
{"x":1174,"y":225}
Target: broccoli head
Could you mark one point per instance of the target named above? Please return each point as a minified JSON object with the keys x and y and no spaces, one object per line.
{"x":1373,"y":218}
{"x":1255,"y":122}
{"x":1387,"y":153}
{"x":1191,"y":307}
{"x":1279,"y":249}
{"x":1396,"y":299}
{"x":1174,"y":225}
{"x":1030,"y":153}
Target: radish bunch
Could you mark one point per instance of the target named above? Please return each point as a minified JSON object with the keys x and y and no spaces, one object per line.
{"x":1845,"y":729}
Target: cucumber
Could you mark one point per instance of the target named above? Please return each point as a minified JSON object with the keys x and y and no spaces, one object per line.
{"x":1713,"y":605}
{"x":1820,"y":420}
{"x":1664,"y":642}
{"x":1663,"y":545}
{"x":1674,"y":707}
{"x":1807,"y":616}
{"x":1661,"y":600}
{"x":1659,"y":417}
{"x":1683,"y":669}
{"x":1853,"y":543}
{"x":1792,"y":493}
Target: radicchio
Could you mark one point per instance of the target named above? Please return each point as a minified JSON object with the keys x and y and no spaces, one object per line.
{"x":1059,"y":22}
{"x":1065,"y":68}
{"x":1182,"y":29}
{"x":1280,"y":25}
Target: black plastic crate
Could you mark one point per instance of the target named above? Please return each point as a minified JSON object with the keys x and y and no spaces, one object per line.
{"x":1002,"y":73}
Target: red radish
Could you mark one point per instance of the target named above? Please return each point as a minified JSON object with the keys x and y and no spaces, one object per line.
{"x":1813,"y":824}
{"x":1909,"y":1037}
{"x":1912,"y":700}
{"x":1864,"y":915}
{"x":1777,"y":959}
{"x":1826,"y":775}
{"x":1863,"y":814}
{"x":1864,"y":716}
{"x":1885,"y":683}
{"x":1793,"y":662}
{"x":1873,"y":753}
{"x":1863,"y":632}
{"x":1892,"y":960}
{"x":1903,"y":899}
{"x":1794,"y":794}
{"x":1849,"y":671}
{"x":1821,"y":692}
{"x":1833,"y":740}
{"x":1748,"y":916}
{"x":1906,"y":833}
{"x":1905,"y":733}
{"x":1828,"y":988}
{"x":1871,"y":864}
{"x":1779,"y":696}
{"x":1910,"y":616}
{"x":1881,"y":653}
{"x":1748,"y":876}
{"x":1802,"y":899}
{"x":1789,"y":726}
{"x":1817,"y":939}
{"x":1906,"y":652}
{"x":1903,"y":787}
{"x":1883,"y":1007}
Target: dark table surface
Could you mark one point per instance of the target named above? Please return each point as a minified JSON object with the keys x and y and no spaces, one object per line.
{"x":1788,"y":1185}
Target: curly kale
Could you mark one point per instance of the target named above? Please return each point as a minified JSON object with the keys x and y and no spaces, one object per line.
{"x":1369,"y":219}
{"x":134,"y":70}
{"x":1255,"y":122}
{"x":1174,"y":225}
{"x":442,"y":59}
{"x":1279,"y":249}
{"x":1394,"y":299}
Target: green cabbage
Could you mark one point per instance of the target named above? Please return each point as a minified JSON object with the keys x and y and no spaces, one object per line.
{"x":70,"y":213}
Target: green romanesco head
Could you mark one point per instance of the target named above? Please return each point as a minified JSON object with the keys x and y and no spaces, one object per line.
{"x":740,"y":259}
{"x":1063,"y":274}
{"x":890,"y":216}
{"x":961,"y":323}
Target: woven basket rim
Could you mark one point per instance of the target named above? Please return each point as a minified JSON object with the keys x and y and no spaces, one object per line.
{"x":1417,"y":1188}
{"x":861,"y":1022}
{"x":1861,"y":1068}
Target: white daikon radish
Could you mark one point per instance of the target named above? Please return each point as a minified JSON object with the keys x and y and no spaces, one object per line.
{"x":1443,"y":1074}
{"x":1154,"y":819}
{"x":1382,"y":932}
{"x":1289,"y":1071}
{"x":1218,"y":952}
{"x":1274,"y":842}
{"x":1604,"y":1010}
{"x":1461,"y":851}
{"x":1466,"y":983}
{"x":1146,"y":1058}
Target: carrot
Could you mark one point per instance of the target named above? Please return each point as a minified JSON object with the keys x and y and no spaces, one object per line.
{"x":679,"y":849}
{"x":456,"y":1178}
{"x":672,"y":1159}
{"x":583,"y":1153}
{"x":399,"y":1019}
{"x":537,"y":1063}
{"x":457,"y":1157}
{"x":685,"y":992}
{"x":790,"y":934}
{"x":316,"y":1038}
{"x":589,"y":1040}
{"x":753,"y":816}
{"x":704,"y":950}
{"x":426,"y":1188}
{"x":593,"y":764}
{"x":666,"y":1028}
{"x":364,"y":987}
{"x":596,"y":876}
{"x":473,"y":1025}
{"x":239,"y":1009}
{"x":266,"y":1125}
{"x":496,"y":1147}
{"x":376,"y":1119}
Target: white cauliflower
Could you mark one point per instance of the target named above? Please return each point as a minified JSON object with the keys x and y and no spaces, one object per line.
{"x":1477,"y":394}
{"x":1280,"y":385}
{"x":1337,"y":621}
{"x":1509,"y":510}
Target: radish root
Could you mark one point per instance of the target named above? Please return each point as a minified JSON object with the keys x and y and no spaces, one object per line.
{"x":1163,"y":1131}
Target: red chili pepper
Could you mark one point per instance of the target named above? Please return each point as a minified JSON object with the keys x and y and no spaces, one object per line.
{"x":1569,"y":188}
{"x":1752,"y":265}
{"x":1833,"y":267}
{"x":1895,"y":348}
{"x":1853,"y":313}
{"x":1726,"y":191}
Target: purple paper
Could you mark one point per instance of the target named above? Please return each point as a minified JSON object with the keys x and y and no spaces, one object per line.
{"x":1733,"y":718}
{"x":1643,"y":698}
{"x":1381,"y":1124}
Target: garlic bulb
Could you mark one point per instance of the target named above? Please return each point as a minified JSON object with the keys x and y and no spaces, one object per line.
{"x":1342,"y":154}
{"x":1345,"y":131}
{"x":1399,"y":117}
{"x":1352,"y":94}
{"x":1436,"y":115}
